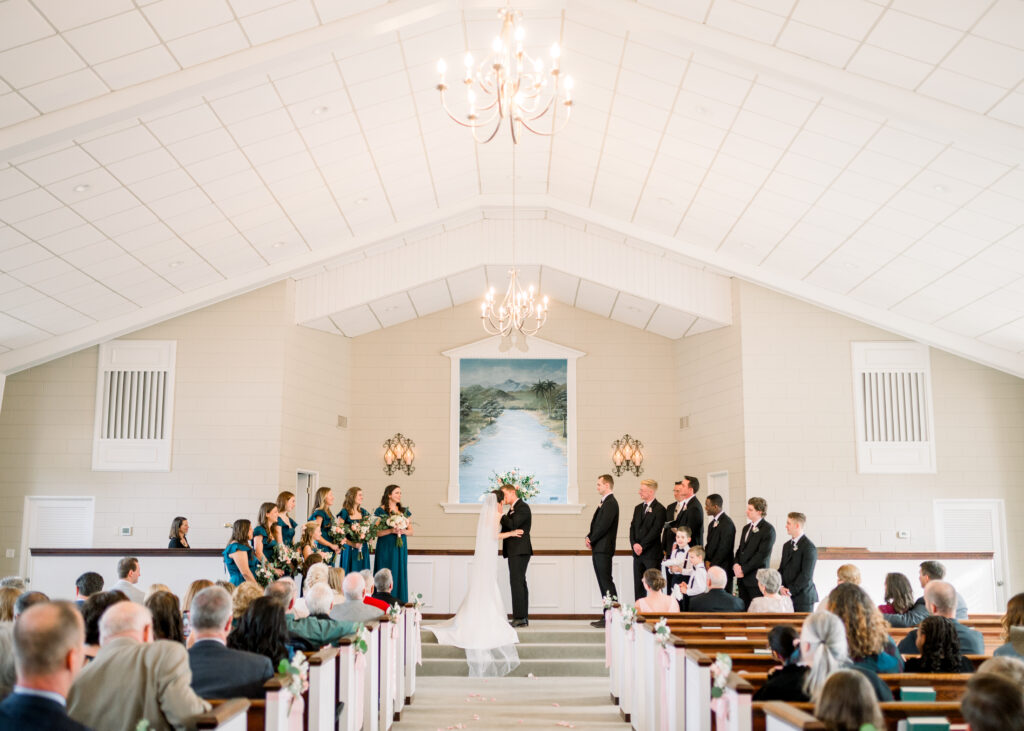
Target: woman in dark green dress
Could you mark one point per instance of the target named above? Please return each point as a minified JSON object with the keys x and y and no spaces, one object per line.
{"x":238,"y":557}
{"x":323,"y":515}
{"x":354,"y":556}
{"x":390,"y":553}
{"x":286,"y":525}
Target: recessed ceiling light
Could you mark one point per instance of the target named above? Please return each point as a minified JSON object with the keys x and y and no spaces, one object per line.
{"x":320,"y":110}
{"x":176,"y":264}
{"x":666,"y":201}
{"x":700,"y":109}
{"x":851,"y":265}
{"x":940,"y":188}
{"x":746,"y":246}
{"x":279,"y":244}
{"x":81,"y":188}
{"x":361,"y":200}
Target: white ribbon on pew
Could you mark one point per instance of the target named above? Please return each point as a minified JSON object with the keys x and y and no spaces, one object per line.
{"x":666,"y":665}
{"x":359,"y":668}
{"x":608,"y":619}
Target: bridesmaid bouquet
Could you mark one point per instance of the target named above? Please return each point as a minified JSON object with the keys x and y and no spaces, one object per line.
{"x":362,"y":530}
{"x":335,"y":532}
{"x":264,"y":573}
{"x":287,"y":558}
{"x":397,"y":521}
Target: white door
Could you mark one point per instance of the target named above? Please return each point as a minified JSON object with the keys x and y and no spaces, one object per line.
{"x":56,"y":522}
{"x":306,"y":484}
{"x":975,"y":525}
{"x":718,"y":482}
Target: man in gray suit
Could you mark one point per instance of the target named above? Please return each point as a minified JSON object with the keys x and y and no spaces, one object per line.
{"x":128,"y":573}
{"x":217,"y":670}
{"x":133,"y":677}
{"x":353,"y":609}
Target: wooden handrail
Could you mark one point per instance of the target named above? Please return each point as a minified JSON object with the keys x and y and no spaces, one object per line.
{"x":274,"y":683}
{"x":793,"y":716}
{"x":323,"y":655}
{"x":739,"y":684}
{"x":221,"y":713}
{"x":700,"y":658}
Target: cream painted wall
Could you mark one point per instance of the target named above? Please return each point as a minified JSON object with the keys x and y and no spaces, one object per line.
{"x":401,"y":382}
{"x":800,"y":451}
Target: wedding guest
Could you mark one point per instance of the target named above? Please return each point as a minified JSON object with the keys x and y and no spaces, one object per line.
{"x":848,"y":703}
{"x":28,"y":599}
{"x":784,"y":643}
{"x":47,"y":651}
{"x":318,"y":573}
{"x":867,"y":634}
{"x":14,"y":582}
{"x":128,"y":575}
{"x":939,"y":646}
{"x":899,"y":596}
{"x":935,"y":571}
{"x":242,"y":598}
{"x":86,"y":585}
{"x":8,"y":595}
{"x":323,"y":515}
{"x":656,"y":601}
{"x":217,"y":670}
{"x":8,"y":673}
{"x":645,"y":534}
{"x":354,"y":556}
{"x":353,"y":610}
{"x":179,"y":532}
{"x":755,"y":549}
{"x":263,"y":542}
{"x":194,"y":588}
{"x":238,"y":556}
{"x":941,"y":598}
{"x":717,"y":599}
{"x":310,"y":561}
{"x":166,"y":611}
{"x":1007,"y":667}
{"x":993,"y":703}
{"x":1013,"y":629}
{"x":393,"y":543}
{"x":769,"y":582}
{"x":92,"y":611}
{"x":382,"y":586}
{"x":821,"y":652}
{"x":153,"y":589}
{"x":309,"y":540}
{"x":319,"y":628}
{"x":336,"y":578}
{"x":848,"y":574}
{"x":225,"y":585}
{"x":286,"y":524}
{"x":262,"y":630}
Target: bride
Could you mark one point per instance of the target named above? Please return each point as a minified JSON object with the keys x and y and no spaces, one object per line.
{"x":480,"y":625}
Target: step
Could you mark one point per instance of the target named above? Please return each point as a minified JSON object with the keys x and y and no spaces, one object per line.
{"x":559,"y":668}
{"x":530,"y":650}
{"x":528,"y":635}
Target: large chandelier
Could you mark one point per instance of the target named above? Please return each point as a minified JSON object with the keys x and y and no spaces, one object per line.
{"x":510,"y":85}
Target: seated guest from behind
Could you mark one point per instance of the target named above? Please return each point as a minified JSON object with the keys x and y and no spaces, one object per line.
{"x":1013,"y":629}
{"x":848,"y":574}
{"x":194,"y":588}
{"x":335,"y":579}
{"x":166,"y":610}
{"x":242,"y":598}
{"x":822,"y":653}
{"x":308,"y":632}
{"x":86,"y":585}
{"x":8,"y":675}
{"x":769,"y":581}
{"x":847,"y":703}
{"x":319,"y":573}
{"x":217,"y":670}
{"x":939,"y":646}
{"x":133,"y":677}
{"x":656,"y":601}
{"x":92,"y":610}
{"x":784,"y":643}
{"x":353,"y":610}
{"x":8,"y":595}
{"x":178,"y":537}
{"x":935,"y":571}
{"x":47,"y":655}
{"x":899,"y":597}
{"x":128,"y":574}
{"x":940,"y":598}
{"x":716,"y":599}
{"x":993,"y":703}
{"x":1007,"y":667}
{"x":382,"y":586}
{"x":28,"y":599}
{"x":262,"y":630}
{"x":867,"y":634}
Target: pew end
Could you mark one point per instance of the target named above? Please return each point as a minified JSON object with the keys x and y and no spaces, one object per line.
{"x":230,"y":715}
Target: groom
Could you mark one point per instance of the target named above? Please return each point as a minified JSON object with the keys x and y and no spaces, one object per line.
{"x":516,"y":547}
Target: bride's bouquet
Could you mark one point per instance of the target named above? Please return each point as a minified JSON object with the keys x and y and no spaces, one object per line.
{"x":527,"y":486}
{"x":362,"y":530}
{"x":397,"y":521}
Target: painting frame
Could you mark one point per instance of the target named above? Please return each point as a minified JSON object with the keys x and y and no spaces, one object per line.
{"x":539,"y":349}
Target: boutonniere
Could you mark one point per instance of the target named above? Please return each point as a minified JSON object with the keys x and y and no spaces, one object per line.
{"x":648,"y":510}
{"x":754,"y":530}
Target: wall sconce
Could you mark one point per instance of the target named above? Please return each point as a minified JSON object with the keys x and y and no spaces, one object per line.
{"x":628,"y":456}
{"x":398,"y":455}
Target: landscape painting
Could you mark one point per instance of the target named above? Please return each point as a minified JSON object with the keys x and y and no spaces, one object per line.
{"x":513,"y":413}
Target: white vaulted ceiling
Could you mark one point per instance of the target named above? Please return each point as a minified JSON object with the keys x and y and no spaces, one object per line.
{"x":865,"y":156}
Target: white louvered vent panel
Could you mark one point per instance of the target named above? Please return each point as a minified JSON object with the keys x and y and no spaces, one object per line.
{"x":58,"y":523}
{"x":966,"y":529}
{"x":893,"y":407}
{"x":134,"y":406}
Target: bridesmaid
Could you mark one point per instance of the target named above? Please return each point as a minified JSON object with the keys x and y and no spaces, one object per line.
{"x":322,"y":513}
{"x":309,"y":539}
{"x":238,"y":557}
{"x":286,"y":524}
{"x":179,"y":531}
{"x":263,"y":543}
{"x":389,"y":554}
{"x":351,"y":511}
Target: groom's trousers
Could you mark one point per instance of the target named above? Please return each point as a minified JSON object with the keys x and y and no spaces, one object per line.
{"x":520,"y":591}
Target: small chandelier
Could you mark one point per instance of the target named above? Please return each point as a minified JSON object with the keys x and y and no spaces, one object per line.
{"x":628,"y":456}
{"x":519,"y":312}
{"x":511,"y":86}
{"x":398,"y":455}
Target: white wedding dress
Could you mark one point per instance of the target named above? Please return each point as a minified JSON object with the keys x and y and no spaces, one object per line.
{"x":480,"y":625}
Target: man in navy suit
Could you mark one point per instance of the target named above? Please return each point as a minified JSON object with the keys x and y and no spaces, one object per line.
{"x":755,"y":550}
{"x":601,"y":538}
{"x":49,"y":650}
{"x":799,"y":557}
{"x":645,"y":535}
{"x":218,"y":671}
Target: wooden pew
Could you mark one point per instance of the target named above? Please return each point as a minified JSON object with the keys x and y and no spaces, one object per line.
{"x":226,"y":716}
{"x":893,"y":712}
{"x":735,"y":712}
{"x":257,"y":717}
{"x":948,"y":686}
{"x":779,"y":716}
{"x":322,"y":697}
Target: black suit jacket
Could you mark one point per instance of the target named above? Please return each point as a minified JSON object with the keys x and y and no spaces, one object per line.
{"x":220,"y":672}
{"x":518,"y":518}
{"x":645,"y":529}
{"x":721,"y":542}
{"x":755,"y":550}
{"x":387,"y":597}
{"x":604,"y":525}
{"x":797,"y":569}
{"x":692,"y":518}
{"x":716,"y":600}
{"x":20,"y":711}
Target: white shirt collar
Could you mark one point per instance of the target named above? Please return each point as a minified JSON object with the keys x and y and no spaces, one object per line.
{"x":754,"y":524}
{"x":721,"y":514}
{"x":211,"y":639}
{"x":55,"y":697}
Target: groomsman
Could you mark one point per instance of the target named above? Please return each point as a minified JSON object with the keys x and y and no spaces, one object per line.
{"x":721,"y":537}
{"x":601,"y":538}
{"x":755,"y":549}
{"x":645,"y":535}
{"x":686,"y":511}
{"x":799,"y":556}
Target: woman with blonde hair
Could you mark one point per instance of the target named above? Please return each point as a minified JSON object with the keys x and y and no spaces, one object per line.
{"x":194,"y":588}
{"x":286,"y":524}
{"x":322,"y":514}
{"x":318,"y":574}
{"x":155,"y":588}
{"x":867,"y":633}
{"x":335,"y":577}
{"x":8,"y":595}
{"x":355,"y":556}
{"x":656,"y":600}
{"x":1013,"y":629}
{"x":848,"y":703}
{"x":242,"y":597}
{"x":309,"y":538}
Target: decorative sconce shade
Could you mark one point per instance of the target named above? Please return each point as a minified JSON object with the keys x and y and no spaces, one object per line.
{"x":398,"y":455}
{"x":628,"y":455}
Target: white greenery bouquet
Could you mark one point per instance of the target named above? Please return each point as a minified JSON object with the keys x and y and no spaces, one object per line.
{"x":527,"y":486}
{"x":294,"y":674}
{"x":397,"y":521}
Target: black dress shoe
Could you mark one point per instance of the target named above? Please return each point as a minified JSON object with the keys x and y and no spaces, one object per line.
{"x":520,"y":623}
{"x":598,"y":624}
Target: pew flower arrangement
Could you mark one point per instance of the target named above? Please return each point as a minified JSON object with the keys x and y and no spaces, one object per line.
{"x":418,"y":602}
{"x":527,"y":486}
{"x":720,"y":670}
{"x":609,"y":601}
{"x":394,"y":611}
{"x":142,"y":725}
{"x":661,"y":631}
{"x":295,"y":673}
{"x":629,"y":618}
{"x":361,"y":643}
